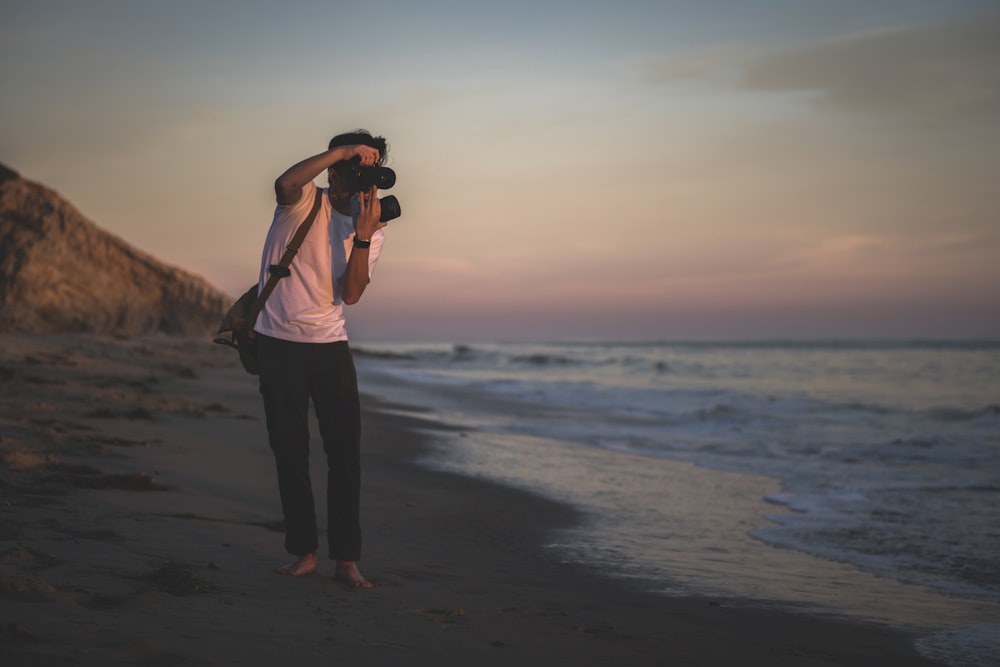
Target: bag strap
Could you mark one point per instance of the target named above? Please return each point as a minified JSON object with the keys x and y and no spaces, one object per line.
{"x":280,"y":270}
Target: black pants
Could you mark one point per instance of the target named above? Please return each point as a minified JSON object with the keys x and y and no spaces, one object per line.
{"x":290,"y":375}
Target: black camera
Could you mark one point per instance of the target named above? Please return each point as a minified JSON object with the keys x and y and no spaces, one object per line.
{"x":357,"y":178}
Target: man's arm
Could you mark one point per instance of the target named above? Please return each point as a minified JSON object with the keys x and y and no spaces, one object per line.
{"x":288,"y":186}
{"x":365,"y":225}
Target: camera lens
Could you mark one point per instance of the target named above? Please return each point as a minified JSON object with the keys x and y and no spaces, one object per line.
{"x":390,"y":208}
{"x":381,"y":177}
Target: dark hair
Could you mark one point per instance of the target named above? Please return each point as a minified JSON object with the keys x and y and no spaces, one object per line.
{"x":362,"y":136}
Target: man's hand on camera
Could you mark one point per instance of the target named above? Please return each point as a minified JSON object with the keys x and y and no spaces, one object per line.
{"x":369,"y":156}
{"x":369,"y":212}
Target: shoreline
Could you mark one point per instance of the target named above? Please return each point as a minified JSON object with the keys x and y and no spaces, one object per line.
{"x":683,"y":489}
{"x":705,"y":547}
{"x":138,"y":526}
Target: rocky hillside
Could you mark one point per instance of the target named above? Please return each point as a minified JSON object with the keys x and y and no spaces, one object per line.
{"x":59,"y":272}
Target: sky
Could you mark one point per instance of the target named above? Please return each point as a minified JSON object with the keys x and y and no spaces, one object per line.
{"x":636,"y":170}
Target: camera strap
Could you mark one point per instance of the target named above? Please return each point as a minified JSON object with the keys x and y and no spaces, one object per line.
{"x":280,"y":270}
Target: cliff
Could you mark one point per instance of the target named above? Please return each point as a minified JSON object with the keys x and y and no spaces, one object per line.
{"x":60,"y":272}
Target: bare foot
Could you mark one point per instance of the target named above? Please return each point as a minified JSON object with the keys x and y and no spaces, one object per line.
{"x":299,"y":568}
{"x":348,"y":572}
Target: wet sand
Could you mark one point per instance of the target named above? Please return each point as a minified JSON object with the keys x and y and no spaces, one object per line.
{"x":139,"y":524}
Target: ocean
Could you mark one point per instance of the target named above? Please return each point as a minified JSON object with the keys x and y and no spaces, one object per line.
{"x":856,"y":479}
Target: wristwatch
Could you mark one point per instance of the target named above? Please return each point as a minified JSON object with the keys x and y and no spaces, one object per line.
{"x":362,"y":243}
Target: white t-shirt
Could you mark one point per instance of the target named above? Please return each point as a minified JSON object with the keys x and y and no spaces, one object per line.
{"x":307,"y":306}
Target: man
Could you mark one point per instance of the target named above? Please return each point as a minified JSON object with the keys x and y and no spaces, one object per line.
{"x":303,"y":348}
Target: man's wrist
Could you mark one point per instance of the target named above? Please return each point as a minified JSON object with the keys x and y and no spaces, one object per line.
{"x":362,"y":243}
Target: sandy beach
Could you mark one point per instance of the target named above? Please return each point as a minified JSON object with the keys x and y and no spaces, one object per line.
{"x":139,"y":525}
